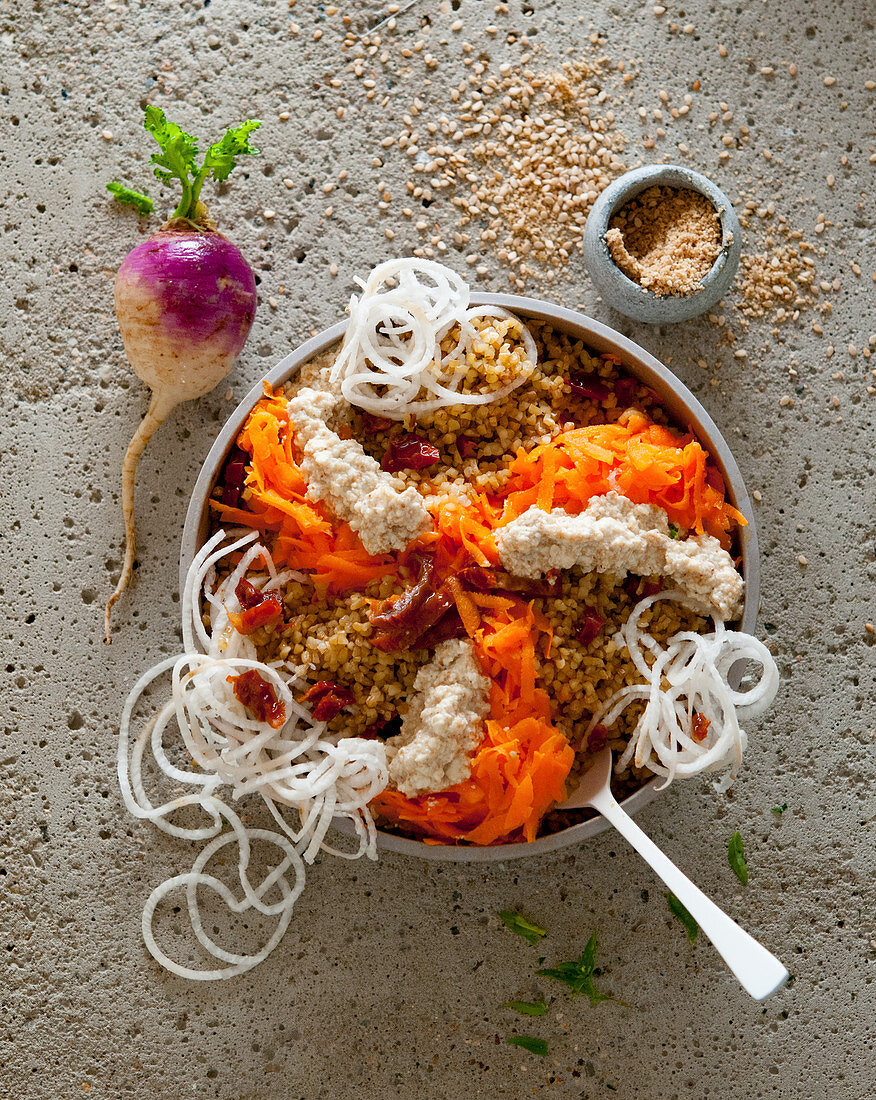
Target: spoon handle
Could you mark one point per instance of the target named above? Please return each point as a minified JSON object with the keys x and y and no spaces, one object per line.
{"x":759,"y":971}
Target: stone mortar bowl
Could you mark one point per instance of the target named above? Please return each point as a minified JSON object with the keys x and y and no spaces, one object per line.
{"x":627,"y":296}
{"x":679,"y":402}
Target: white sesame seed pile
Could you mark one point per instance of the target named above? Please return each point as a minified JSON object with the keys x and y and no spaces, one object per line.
{"x":523,"y":159}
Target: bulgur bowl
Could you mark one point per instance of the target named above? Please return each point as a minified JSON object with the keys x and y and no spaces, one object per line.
{"x":682,"y":408}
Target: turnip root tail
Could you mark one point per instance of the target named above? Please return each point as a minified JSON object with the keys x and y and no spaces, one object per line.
{"x":159,"y":408}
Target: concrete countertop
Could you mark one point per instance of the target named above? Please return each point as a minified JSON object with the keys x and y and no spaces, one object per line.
{"x":390,"y":980}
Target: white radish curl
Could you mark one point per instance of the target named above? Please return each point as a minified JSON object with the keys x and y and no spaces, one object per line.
{"x":299,"y":767}
{"x":694,"y":669}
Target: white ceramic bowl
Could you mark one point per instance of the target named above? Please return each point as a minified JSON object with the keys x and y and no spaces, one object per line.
{"x":685,"y":410}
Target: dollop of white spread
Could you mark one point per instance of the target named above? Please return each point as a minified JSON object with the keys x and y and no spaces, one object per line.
{"x":378,"y":507}
{"x":443,"y":724}
{"x":614,"y":535}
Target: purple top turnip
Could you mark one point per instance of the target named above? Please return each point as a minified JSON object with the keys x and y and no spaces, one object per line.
{"x":185,"y":298}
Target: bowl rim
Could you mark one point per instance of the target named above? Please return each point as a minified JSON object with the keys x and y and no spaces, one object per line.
{"x":685,"y":410}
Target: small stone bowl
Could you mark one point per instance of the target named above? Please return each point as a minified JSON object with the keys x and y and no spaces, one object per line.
{"x":628,"y":297}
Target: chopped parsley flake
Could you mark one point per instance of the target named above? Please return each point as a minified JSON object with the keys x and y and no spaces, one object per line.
{"x":736,"y":858}
{"x":534,"y":1046}
{"x":527,"y":1008}
{"x":679,"y":910}
{"x":578,"y":973}
{"x":142,"y":202}
{"x":780,"y":809}
{"x":522,"y":927}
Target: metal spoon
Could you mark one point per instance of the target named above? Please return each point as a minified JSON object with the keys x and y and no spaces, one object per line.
{"x":759,"y":971}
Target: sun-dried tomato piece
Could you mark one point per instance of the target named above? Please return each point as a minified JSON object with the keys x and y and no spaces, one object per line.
{"x":258,"y":608}
{"x":382,"y":729}
{"x":259,"y":697}
{"x":589,"y":386}
{"x":497,"y":580}
{"x":639,"y":588}
{"x":597,"y":739}
{"x":234,"y":477}
{"x":409,"y":452}
{"x":624,"y":388}
{"x":400,"y":621}
{"x":699,"y":726}
{"x":327,"y":700}
{"x":372,"y":423}
{"x":714,"y":479}
{"x":448,"y":626}
{"x":478,"y":578}
{"x":466,"y":447}
{"x":591,"y":627}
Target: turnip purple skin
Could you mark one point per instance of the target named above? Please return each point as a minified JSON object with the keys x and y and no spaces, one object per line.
{"x":185,"y":302}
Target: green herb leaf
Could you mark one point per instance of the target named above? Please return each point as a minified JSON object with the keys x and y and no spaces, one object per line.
{"x":527,"y":1008}
{"x":678,"y":910}
{"x":178,"y":149}
{"x":534,"y":1046}
{"x":673,"y":531}
{"x":578,"y":973}
{"x":221,"y":157}
{"x":780,"y":809}
{"x":522,"y":927}
{"x":124,"y":194}
{"x":736,"y":857}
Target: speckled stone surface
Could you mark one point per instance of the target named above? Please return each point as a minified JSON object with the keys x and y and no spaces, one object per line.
{"x":390,"y":980}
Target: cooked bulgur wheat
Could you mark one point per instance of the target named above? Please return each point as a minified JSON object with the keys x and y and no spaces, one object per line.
{"x":328,"y":638}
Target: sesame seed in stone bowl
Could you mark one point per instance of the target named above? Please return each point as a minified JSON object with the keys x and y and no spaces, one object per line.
{"x":587,"y":375}
{"x":662,"y":244}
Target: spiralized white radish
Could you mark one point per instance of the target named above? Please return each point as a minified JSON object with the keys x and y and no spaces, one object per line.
{"x":694,"y":669}
{"x":302,"y":767}
{"x":391,"y":363}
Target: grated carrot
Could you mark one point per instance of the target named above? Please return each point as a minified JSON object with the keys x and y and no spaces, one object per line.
{"x":646,"y":462}
{"x":306,"y":538}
